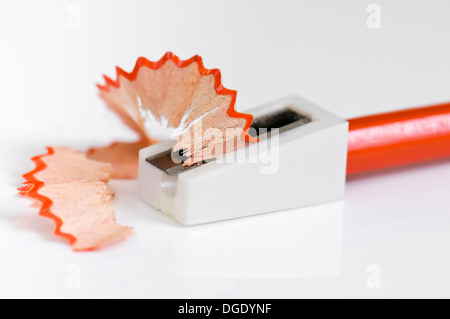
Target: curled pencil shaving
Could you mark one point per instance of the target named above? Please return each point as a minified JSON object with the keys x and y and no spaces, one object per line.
{"x":178,"y":95}
{"x":72,"y":191}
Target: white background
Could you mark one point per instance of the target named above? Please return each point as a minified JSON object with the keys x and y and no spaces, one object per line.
{"x":397,"y":220}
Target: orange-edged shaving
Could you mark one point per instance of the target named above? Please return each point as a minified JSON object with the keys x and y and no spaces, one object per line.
{"x":72,"y":191}
{"x":174,"y":96}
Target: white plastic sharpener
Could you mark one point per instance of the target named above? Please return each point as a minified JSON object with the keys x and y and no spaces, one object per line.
{"x":300,"y":160}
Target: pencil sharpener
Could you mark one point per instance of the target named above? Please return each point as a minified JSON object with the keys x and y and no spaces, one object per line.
{"x":299,"y":160}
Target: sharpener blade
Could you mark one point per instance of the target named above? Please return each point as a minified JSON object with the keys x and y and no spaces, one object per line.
{"x":284,"y":120}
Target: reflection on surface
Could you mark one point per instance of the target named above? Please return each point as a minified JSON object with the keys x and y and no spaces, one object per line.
{"x":304,"y":242}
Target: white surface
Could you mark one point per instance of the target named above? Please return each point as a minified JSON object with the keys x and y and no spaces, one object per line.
{"x":302,"y":166}
{"x":322,"y":50}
